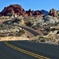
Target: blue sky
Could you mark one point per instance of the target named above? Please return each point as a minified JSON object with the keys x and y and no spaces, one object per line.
{"x":32,"y":4}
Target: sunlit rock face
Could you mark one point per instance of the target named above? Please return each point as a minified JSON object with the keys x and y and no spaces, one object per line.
{"x":50,"y":19}
{"x":18,"y":10}
{"x":13,"y":9}
{"x":53,"y":12}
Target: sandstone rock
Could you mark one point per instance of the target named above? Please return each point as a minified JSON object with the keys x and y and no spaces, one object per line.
{"x":13,"y":9}
{"x":18,"y":10}
{"x":0,"y":14}
{"x":8,"y":30}
{"x":50,"y":19}
{"x":30,"y":12}
{"x":58,"y":14}
{"x":37,"y":12}
{"x":53,"y":12}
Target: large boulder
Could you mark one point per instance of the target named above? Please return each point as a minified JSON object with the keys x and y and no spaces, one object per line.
{"x":42,"y":21}
{"x":50,"y":19}
{"x":30,"y":12}
{"x":13,"y":9}
{"x":53,"y":12}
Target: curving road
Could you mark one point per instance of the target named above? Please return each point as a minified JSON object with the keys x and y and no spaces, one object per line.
{"x":22,"y":50}
{"x":47,"y":50}
{"x":30,"y":30}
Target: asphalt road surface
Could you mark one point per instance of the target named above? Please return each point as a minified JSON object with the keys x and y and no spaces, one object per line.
{"x":30,"y":30}
{"x":8,"y":53}
{"x":9,"y":50}
{"x":47,"y":50}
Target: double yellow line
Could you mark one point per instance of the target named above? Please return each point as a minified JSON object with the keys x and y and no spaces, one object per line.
{"x":25,"y":51}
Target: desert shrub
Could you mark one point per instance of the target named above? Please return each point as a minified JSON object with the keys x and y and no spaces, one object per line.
{"x":42,"y":40}
{"x":2,"y":35}
{"x":28,"y":23}
{"x":10,"y":34}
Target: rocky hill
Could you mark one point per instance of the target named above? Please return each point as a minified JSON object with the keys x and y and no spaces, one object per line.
{"x":17,"y":9}
{"x":13,"y":16}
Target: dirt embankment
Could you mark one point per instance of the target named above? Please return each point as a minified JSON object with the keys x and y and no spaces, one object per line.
{"x":11,"y":38}
{"x":26,"y":36}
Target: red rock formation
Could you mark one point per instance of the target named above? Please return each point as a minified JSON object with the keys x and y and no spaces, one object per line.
{"x":53,"y":12}
{"x":17,"y":9}
{"x":0,"y":14}
{"x":29,"y":12}
{"x":37,"y":12}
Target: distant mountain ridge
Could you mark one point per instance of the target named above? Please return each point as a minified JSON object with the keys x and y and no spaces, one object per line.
{"x":44,"y":12}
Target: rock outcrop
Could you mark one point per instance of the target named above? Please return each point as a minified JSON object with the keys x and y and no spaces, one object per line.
{"x":53,"y":12}
{"x":30,"y":12}
{"x":18,"y":10}
{"x":10,"y":30}
{"x":13,"y":9}
{"x":37,"y":12}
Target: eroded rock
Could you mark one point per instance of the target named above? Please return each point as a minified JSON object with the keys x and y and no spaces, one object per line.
{"x":53,"y":12}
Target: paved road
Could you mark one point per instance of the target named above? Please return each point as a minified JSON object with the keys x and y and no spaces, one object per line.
{"x":47,"y":50}
{"x":8,"y":53}
{"x":30,"y":30}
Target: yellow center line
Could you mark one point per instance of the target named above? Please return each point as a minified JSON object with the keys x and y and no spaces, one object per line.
{"x":25,"y":51}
